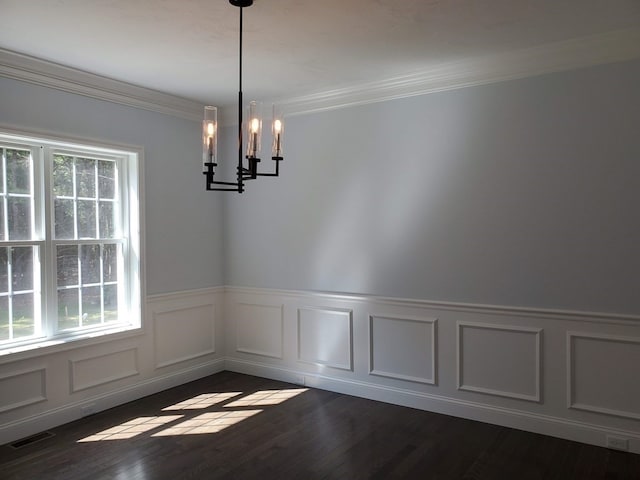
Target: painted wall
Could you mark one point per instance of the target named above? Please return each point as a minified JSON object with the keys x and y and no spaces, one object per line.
{"x":183,"y":221}
{"x":514,"y":194}
{"x":181,"y":338}
{"x":522,"y":193}
{"x":476,"y":233}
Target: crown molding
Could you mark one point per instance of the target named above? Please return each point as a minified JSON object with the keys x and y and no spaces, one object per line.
{"x":616,"y":46}
{"x":48,"y":74}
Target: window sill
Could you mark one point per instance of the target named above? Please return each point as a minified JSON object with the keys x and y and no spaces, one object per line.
{"x":60,"y":344}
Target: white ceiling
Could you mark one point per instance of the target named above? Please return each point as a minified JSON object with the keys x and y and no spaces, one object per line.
{"x":189,"y":48}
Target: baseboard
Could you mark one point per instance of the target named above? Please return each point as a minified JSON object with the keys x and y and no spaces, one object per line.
{"x":521,"y":420}
{"x":74,"y":411}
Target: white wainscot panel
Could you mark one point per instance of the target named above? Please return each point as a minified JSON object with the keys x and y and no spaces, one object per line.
{"x":20,"y":389}
{"x":403,"y":348}
{"x":603,"y":374}
{"x":184,"y":333}
{"x":499,"y":360}
{"x":97,"y":370}
{"x":260,"y":329}
{"x":325,"y":337}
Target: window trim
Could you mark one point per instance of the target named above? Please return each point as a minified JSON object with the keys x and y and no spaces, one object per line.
{"x":132,"y":211}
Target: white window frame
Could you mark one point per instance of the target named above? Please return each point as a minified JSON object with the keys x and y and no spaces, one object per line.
{"x":130,"y":290}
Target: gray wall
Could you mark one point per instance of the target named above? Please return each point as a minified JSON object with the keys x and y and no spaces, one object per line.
{"x":183,"y":221}
{"x":522,"y":193}
{"x":518,"y":193}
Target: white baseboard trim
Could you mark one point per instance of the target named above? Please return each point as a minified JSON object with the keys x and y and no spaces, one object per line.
{"x":68,"y":413}
{"x":521,"y":420}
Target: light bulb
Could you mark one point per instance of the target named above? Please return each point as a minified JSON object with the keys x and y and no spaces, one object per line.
{"x":254,"y":129}
{"x":209,"y":134}
{"x":277,"y":130}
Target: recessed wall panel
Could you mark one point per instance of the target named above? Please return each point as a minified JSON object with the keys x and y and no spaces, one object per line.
{"x":499,"y":360}
{"x":22,"y":388}
{"x":259,"y":329}
{"x":183,"y":334}
{"x":403,"y":348}
{"x":94,"y":371}
{"x":603,"y":374}
{"x":325,"y":337}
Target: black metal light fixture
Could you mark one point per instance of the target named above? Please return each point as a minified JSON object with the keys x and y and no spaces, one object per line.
{"x":254,"y":135}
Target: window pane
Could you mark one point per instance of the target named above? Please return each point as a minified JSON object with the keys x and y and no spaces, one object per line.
{"x":90,"y":263}
{"x":1,"y":216}
{"x":106,"y":179}
{"x":4,"y":270}
{"x":19,"y":212}
{"x":18,"y":171}
{"x":110,"y":263}
{"x":63,"y":176}
{"x":67,"y":256}
{"x":91,"y":306}
{"x":86,"y":219}
{"x":83,"y":202}
{"x":23,"y":322}
{"x":107,"y":222}
{"x":4,"y":318}
{"x":86,"y":177}
{"x":110,"y":303}
{"x":68,"y":308}
{"x":22,"y":268}
{"x":64,"y":219}
{"x":1,"y":173}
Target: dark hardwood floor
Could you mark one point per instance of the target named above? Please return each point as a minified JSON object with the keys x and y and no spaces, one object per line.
{"x":234,"y":426}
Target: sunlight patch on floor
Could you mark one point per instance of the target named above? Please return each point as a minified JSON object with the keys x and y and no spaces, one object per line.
{"x":211,"y":422}
{"x":266,"y":397}
{"x":226,"y":414}
{"x":131,"y":428}
{"x":202,"y":401}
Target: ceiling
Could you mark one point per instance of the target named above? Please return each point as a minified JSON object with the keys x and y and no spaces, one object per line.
{"x":189,"y":48}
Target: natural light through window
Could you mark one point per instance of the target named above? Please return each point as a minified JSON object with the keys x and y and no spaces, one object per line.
{"x":224,"y":411}
{"x":212,"y":422}
{"x":69,"y":241}
{"x":202,"y":401}
{"x":266,"y":397}
{"x":131,"y":429}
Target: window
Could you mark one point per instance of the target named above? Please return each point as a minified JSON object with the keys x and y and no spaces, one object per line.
{"x":69,"y":242}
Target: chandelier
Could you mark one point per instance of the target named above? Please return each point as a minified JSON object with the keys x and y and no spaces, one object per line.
{"x":254,"y":135}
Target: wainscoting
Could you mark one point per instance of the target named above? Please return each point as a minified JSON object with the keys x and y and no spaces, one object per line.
{"x":573,"y":375}
{"x":181,"y":340}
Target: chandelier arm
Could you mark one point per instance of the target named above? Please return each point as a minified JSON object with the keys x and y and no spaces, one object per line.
{"x":274,"y":174}
{"x":271,"y":174}
{"x":216,"y":182}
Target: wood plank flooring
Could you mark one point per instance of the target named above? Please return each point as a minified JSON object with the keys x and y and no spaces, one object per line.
{"x":233,"y":426}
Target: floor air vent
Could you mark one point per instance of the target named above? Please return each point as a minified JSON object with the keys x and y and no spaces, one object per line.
{"x":38,"y":437}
